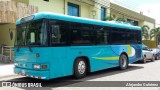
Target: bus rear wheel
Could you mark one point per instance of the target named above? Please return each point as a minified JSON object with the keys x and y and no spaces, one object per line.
{"x":123,"y":62}
{"x":80,"y":68}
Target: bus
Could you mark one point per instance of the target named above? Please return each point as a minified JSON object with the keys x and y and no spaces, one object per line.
{"x":49,"y":45}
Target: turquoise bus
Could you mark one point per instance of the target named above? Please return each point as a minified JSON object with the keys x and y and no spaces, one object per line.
{"x":49,"y":45}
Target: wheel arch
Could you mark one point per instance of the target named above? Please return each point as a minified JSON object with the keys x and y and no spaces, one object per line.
{"x":125,"y":54}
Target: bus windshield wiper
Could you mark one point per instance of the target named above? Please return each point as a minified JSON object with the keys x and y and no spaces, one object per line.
{"x":18,"y":46}
{"x":30,"y":48}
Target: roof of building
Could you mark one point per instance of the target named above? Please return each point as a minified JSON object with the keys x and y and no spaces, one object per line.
{"x":130,"y":13}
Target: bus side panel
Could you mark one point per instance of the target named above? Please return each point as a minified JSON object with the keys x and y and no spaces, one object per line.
{"x":134,"y":51}
{"x":103,"y":58}
{"x":100,"y":57}
{"x":136,"y":54}
{"x":60,"y":64}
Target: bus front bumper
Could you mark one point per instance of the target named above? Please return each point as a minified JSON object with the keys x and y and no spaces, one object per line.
{"x":32,"y":73}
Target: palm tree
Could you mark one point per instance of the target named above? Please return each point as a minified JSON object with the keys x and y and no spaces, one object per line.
{"x":120,"y":19}
{"x":145,"y":33}
{"x":109,"y":18}
{"x":157,"y":35}
{"x":153,"y":33}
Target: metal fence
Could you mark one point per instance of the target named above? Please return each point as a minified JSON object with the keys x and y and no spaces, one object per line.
{"x":7,"y":54}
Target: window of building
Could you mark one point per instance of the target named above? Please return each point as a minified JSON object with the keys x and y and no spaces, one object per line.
{"x":135,"y":23}
{"x":73,"y":9}
{"x":46,"y":0}
{"x":132,"y":22}
{"x":103,"y":13}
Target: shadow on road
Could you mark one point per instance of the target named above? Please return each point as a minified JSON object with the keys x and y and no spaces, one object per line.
{"x":69,"y":81}
{"x":147,"y":62}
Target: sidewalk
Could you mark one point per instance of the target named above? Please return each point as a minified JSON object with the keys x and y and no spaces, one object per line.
{"x":6,"y":70}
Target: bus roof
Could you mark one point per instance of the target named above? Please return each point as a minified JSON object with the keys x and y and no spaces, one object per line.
{"x":49,"y":15}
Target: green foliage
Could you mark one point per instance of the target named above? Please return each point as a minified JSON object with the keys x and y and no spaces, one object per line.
{"x":121,"y":19}
{"x":154,"y":33}
{"x":145,"y":33}
{"x":109,"y":18}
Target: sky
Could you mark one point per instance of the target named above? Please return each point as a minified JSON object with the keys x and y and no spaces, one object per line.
{"x":150,"y":8}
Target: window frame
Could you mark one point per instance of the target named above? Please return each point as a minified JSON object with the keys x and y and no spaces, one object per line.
{"x":103,"y":13}
{"x":73,"y":7}
{"x":46,"y":0}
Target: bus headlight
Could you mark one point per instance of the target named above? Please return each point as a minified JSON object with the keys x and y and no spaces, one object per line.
{"x":37,"y":66}
{"x":16,"y":64}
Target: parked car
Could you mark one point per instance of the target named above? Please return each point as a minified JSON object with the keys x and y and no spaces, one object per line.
{"x":147,"y":54}
{"x":156,"y":52}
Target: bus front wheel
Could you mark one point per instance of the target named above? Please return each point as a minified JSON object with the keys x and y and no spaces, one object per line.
{"x":80,"y":68}
{"x":123,"y":62}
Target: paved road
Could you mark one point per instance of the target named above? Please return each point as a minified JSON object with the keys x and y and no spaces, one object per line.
{"x":136,"y":72}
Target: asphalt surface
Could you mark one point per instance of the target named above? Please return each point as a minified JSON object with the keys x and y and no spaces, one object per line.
{"x":149,"y":71}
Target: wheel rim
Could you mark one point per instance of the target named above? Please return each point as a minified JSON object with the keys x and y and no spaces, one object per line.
{"x":81,"y":67}
{"x":123,"y":61}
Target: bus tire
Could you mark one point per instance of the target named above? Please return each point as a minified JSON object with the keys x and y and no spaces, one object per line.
{"x":80,"y":68}
{"x":123,"y":62}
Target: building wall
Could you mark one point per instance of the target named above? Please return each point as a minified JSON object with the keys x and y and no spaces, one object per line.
{"x":125,"y":13}
{"x":5,"y":30}
{"x":151,"y":25}
{"x":22,"y":1}
{"x":60,"y":6}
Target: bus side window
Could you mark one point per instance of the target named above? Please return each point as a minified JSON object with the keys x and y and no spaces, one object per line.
{"x":55,"y":35}
{"x":58,"y":31}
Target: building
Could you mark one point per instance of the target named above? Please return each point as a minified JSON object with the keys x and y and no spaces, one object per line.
{"x":93,"y":9}
{"x":135,"y":18}
{"x":10,"y":11}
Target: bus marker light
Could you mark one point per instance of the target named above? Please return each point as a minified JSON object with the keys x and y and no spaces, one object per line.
{"x":44,"y":66}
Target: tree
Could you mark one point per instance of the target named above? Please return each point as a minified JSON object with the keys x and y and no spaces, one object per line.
{"x":109,"y":18}
{"x":153,"y":33}
{"x":120,"y":19}
{"x":145,"y":33}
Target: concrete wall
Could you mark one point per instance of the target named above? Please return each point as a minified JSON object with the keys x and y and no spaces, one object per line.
{"x":5,"y":30}
{"x":151,"y":44}
{"x":151,"y":25}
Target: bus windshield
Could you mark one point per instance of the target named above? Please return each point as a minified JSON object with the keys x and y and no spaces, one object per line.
{"x":31,"y":34}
